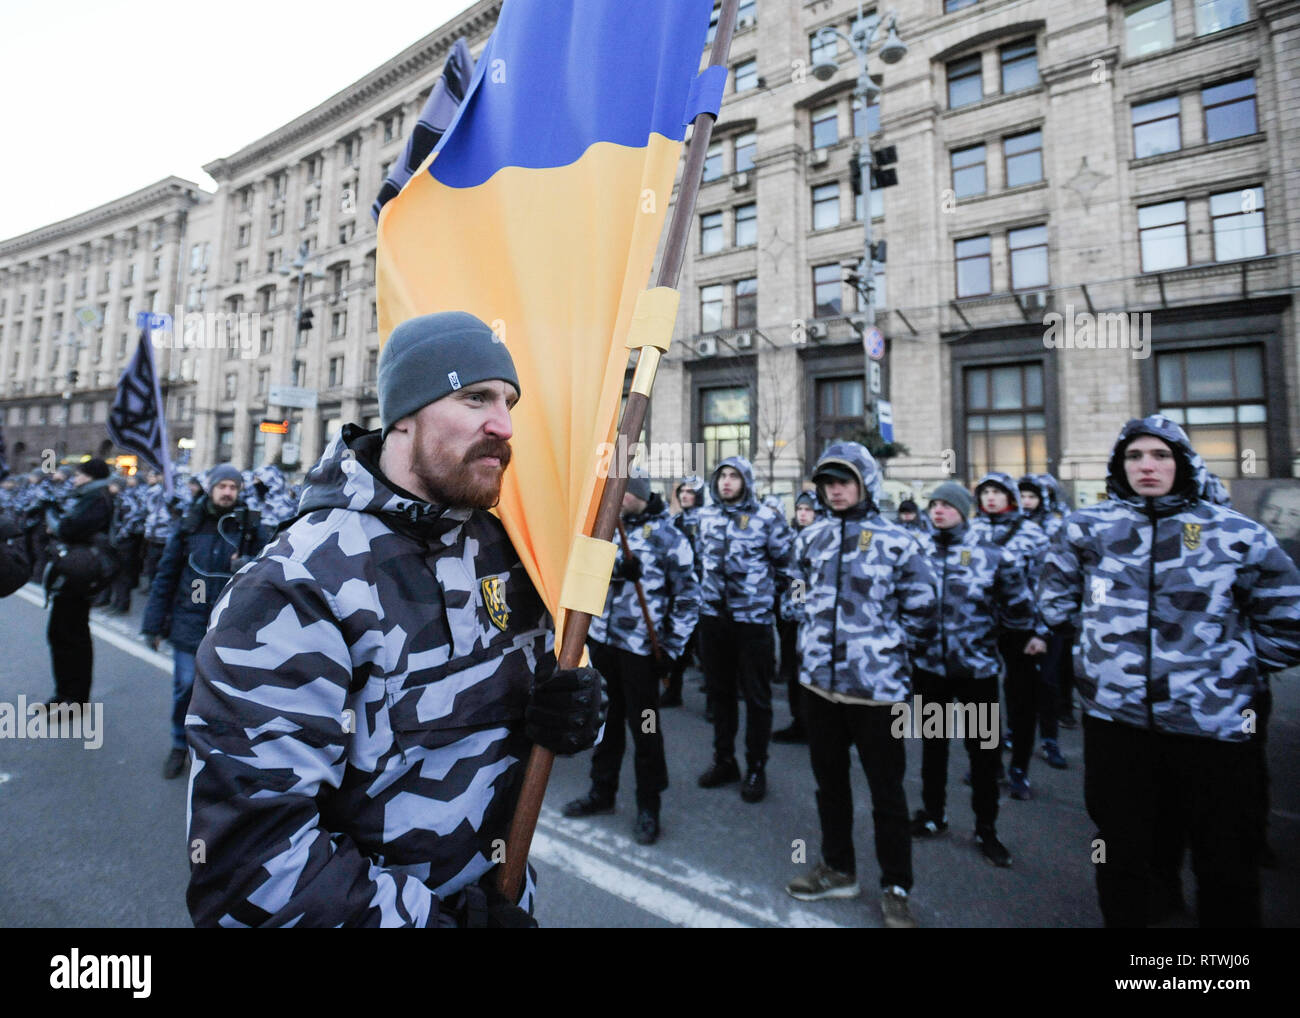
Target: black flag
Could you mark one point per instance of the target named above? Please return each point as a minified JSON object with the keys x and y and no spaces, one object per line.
{"x":137,"y":421}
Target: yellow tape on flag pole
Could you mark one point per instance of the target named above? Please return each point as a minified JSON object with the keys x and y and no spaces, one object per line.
{"x":653,"y":319}
{"x":586,"y":577}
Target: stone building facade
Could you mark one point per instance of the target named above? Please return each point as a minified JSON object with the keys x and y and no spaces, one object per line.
{"x":1090,"y":223}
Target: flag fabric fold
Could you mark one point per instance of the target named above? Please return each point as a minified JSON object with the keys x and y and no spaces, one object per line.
{"x":138,"y":420}
{"x":540,"y":212}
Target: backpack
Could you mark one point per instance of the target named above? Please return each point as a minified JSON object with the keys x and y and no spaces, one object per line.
{"x":81,"y":569}
{"x":15,"y":565}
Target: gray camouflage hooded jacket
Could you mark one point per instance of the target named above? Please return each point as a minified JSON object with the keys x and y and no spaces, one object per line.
{"x":982,"y":590}
{"x":1177,"y":601}
{"x":667,"y":579}
{"x":357,"y":718}
{"x":744,"y":548}
{"x":869,"y":595}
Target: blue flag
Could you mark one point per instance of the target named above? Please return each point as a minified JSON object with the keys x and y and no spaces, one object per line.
{"x":138,"y":421}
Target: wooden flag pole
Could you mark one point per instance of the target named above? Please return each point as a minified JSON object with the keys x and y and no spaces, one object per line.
{"x":576,"y":624}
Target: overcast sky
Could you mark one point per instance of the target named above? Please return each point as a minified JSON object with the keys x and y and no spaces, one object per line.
{"x":102,"y":98}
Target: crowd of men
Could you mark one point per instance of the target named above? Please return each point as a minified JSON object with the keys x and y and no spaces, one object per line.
{"x":89,"y":536}
{"x":367,"y":688}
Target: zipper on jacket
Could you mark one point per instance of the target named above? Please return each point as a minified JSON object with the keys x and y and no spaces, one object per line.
{"x":1151,"y":593}
{"x":835,"y":613}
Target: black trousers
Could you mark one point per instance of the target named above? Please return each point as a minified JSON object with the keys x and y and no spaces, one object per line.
{"x":128,"y":573}
{"x":152,"y":553}
{"x":983,"y":693}
{"x":1136,"y":782}
{"x":71,"y":652}
{"x":632,"y":683}
{"x":832,"y":728}
{"x":678,"y":670}
{"x":789,"y":633}
{"x":738,"y":655}
{"x":1023,"y":690}
{"x":1064,"y":675}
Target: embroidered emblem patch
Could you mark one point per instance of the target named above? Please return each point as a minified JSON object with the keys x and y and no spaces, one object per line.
{"x":1191,"y":536}
{"x":864,"y":540}
{"x":494,"y":599}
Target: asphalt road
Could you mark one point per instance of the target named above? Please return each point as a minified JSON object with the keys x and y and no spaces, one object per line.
{"x":96,"y":837}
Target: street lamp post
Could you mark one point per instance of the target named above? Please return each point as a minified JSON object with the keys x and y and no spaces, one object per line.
{"x":74,"y":347}
{"x":301,"y":270}
{"x":892,"y":50}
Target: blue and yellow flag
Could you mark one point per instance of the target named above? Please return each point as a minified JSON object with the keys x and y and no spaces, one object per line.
{"x":540,"y":212}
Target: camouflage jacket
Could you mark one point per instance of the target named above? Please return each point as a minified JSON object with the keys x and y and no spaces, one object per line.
{"x":276,"y":501}
{"x":1177,"y":603}
{"x":745,"y":551}
{"x":131,"y":512}
{"x":982,"y":590}
{"x":357,"y":716}
{"x":668,"y":580}
{"x":688,"y":522}
{"x":160,"y":513}
{"x":868,"y":597}
{"x":1047,"y":516}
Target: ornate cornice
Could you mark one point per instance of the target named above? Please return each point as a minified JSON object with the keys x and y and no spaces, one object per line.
{"x":370,"y":90}
{"x":166,"y":192}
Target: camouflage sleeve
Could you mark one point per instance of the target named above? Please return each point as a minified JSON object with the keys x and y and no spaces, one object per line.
{"x":780,"y":551}
{"x":267,"y":727}
{"x":683,"y":591}
{"x":918,"y":597}
{"x":793,"y":602}
{"x":1270,"y":590}
{"x":1013,"y":601}
{"x":1060,"y":587}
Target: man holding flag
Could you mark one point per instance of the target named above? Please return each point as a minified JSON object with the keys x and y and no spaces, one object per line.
{"x":369,"y":688}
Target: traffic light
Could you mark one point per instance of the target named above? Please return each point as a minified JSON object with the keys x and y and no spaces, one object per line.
{"x":881,"y":158}
{"x":72,"y":377}
{"x":855,"y":175}
{"x":304,"y":319}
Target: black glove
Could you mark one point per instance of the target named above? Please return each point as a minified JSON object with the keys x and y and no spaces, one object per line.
{"x":487,"y":908}
{"x":630,"y":569}
{"x":565,"y":711}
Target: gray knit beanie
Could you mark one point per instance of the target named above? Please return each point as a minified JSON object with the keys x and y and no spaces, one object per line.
{"x":956,"y":496}
{"x":431,"y":356}
{"x":222,"y":472}
{"x":638,"y":485}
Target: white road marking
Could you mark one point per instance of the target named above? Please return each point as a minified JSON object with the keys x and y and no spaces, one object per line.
{"x":124,"y":643}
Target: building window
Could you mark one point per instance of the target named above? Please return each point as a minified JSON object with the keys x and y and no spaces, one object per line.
{"x":839,"y":410}
{"x":392,"y":126}
{"x":279,"y":184}
{"x":311,"y":209}
{"x":1006,"y":428}
{"x":1156,"y":128}
{"x":1238,"y":218}
{"x":268,"y":338}
{"x":724,"y":424}
{"x":374,"y":316}
{"x":1218,"y":397}
{"x":336,"y":371}
{"x":968,"y":175}
{"x":1216,"y":15}
{"x":232,"y":385}
{"x":272,"y":257}
{"x":746,"y":225}
{"x":711,"y":308}
{"x":352,"y":149}
{"x":825,"y":206}
{"x":314,"y":166}
{"x":245,"y":198}
{"x":964,"y":82}
{"x":1229,"y":109}
{"x":872,"y":125}
{"x":974,"y":267}
{"x":747,"y":13}
{"x":372,"y":365}
{"x":276,"y":225}
{"x":300,"y":373}
{"x":1028,"y":257}
{"x":823,"y":48}
{"x":1023,"y":158}
{"x":746,"y":75}
{"x":877,"y":205}
{"x":711,"y":233}
{"x":241,"y":270}
{"x":263,"y":380}
{"x":827,"y":290}
{"x":1162,"y":235}
{"x":338,"y":324}
{"x":1019,"y":65}
{"x":955,"y":5}
{"x":713,"y":162}
{"x":744,"y":146}
{"x":746,"y":303}
{"x":346,"y":232}
{"x":825,"y":126}
{"x":1148,"y":27}
{"x":714,"y":18}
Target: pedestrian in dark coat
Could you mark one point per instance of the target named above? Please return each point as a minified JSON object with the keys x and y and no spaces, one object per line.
{"x":214,"y":539}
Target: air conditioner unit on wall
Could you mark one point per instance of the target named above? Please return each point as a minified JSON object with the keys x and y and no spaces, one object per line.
{"x":744,"y":340}
{"x":707,"y":346}
{"x":819,"y":157}
{"x":740,"y":181}
{"x":1035,"y":300}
